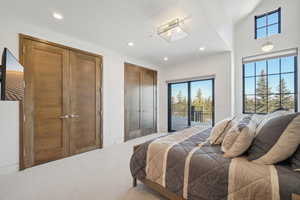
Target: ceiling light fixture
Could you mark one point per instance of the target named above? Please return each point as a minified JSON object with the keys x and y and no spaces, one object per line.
{"x":268,"y":46}
{"x":166,"y":58}
{"x":202,"y":48}
{"x":172,"y":31}
{"x":130,"y":44}
{"x":57,"y":16}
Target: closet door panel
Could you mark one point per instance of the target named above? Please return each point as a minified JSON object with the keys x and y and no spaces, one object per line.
{"x":132,"y":102}
{"x":148,"y":102}
{"x":140,"y":101}
{"x":62,"y":101}
{"x":85,"y":101}
{"x":47,"y":66}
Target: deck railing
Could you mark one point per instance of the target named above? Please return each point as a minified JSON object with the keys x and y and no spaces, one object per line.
{"x":196,"y":116}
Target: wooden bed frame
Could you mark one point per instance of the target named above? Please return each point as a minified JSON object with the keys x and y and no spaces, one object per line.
{"x":156,"y":187}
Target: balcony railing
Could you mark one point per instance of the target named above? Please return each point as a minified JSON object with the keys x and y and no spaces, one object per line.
{"x":197,"y":115}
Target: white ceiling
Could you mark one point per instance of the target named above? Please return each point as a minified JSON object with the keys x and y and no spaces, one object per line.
{"x":114,"y":23}
{"x":237,"y":9}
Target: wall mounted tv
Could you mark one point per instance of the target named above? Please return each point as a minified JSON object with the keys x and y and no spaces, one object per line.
{"x":12,"y":78}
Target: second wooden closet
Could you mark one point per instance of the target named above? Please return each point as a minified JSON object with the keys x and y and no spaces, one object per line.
{"x":62,"y":104}
{"x":140,"y":101}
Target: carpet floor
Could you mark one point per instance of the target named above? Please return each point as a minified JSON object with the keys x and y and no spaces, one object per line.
{"x":97,"y":175}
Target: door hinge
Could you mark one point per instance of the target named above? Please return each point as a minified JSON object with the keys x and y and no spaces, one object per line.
{"x":24,"y":84}
{"x":24,"y":49}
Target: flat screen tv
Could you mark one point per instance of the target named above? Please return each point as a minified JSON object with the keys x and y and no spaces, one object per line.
{"x":12,"y":78}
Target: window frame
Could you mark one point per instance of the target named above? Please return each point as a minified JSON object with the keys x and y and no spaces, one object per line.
{"x":170,"y":130}
{"x":295,"y":72}
{"x":267,"y":25}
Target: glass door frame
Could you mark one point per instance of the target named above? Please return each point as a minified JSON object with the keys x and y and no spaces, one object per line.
{"x":189,"y":101}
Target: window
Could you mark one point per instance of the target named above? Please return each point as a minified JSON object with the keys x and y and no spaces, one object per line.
{"x":191,"y":103}
{"x":268,"y":24}
{"x":270,"y":84}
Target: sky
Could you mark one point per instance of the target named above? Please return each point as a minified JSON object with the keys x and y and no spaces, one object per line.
{"x":205,"y":86}
{"x":273,"y":25}
{"x":12,"y":64}
{"x":272,"y":67}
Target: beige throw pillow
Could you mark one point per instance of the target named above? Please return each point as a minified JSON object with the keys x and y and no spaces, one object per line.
{"x":218,"y":132}
{"x":239,"y":138}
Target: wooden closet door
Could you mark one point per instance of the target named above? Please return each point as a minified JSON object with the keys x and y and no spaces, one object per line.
{"x":148,"y":101}
{"x":132,"y":102}
{"x":85,"y":102}
{"x":46,"y":102}
{"x":140,"y":101}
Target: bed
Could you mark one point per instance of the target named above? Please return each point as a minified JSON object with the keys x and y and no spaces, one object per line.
{"x":183,"y":166}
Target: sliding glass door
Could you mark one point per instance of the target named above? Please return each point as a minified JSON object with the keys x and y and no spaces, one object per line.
{"x":179,"y":106}
{"x":191,"y":103}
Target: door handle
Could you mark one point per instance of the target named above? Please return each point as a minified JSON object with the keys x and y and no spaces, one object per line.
{"x":74,"y":116}
{"x":64,"y":117}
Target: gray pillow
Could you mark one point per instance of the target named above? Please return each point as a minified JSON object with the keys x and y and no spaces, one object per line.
{"x":273,"y":141}
{"x":263,"y":119}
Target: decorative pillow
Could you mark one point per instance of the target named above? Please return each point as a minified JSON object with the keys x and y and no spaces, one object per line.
{"x":239,"y":138}
{"x":258,"y":118}
{"x":219,"y":131}
{"x":277,"y":140}
{"x":263,"y":119}
{"x":295,"y":160}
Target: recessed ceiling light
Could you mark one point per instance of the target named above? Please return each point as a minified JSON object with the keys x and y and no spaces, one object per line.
{"x":166,"y":58}
{"x":57,"y":16}
{"x":202,"y":48}
{"x":130,"y":44}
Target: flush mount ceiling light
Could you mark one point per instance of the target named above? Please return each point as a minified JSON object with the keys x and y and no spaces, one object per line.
{"x":131,"y":44}
{"x":57,"y":16}
{"x":268,"y":46}
{"x":166,"y":58}
{"x":172,"y":31}
{"x":202,"y":48}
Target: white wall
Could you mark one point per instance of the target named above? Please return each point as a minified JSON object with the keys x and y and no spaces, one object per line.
{"x":246,"y":45}
{"x":9,"y":137}
{"x":113,"y":80}
{"x":218,"y":65}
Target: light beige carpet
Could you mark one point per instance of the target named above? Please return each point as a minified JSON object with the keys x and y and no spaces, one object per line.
{"x":97,"y":175}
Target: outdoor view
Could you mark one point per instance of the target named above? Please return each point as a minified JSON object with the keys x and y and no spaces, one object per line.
{"x":269,"y":85}
{"x":201,"y":104}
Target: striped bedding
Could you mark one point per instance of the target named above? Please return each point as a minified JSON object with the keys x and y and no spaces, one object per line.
{"x":186,"y":165}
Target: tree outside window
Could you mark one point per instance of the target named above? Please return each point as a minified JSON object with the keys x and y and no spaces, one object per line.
{"x":270,"y":85}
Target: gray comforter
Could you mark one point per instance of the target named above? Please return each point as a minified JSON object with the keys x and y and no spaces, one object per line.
{"x":185,"y":164}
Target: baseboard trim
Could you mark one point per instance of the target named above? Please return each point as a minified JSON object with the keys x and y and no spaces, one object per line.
{"x":8,"y":169}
